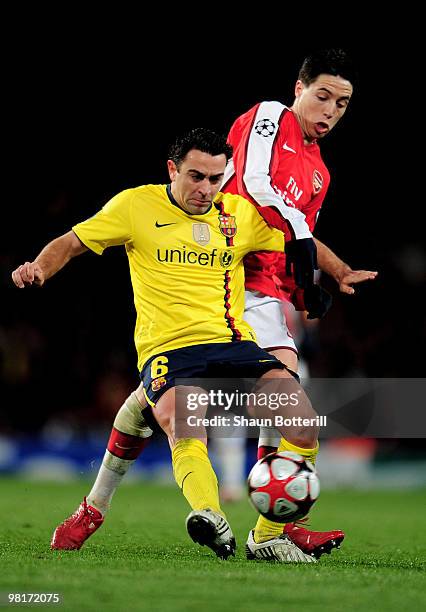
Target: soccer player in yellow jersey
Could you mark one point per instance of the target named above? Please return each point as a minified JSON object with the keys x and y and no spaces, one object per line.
{"x":185,"y":243}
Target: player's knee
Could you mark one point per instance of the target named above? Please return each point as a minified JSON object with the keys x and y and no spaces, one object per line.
{"x":129,"y":418}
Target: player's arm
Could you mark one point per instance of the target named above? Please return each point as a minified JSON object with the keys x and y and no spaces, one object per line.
{"x":260,"y":151}
{"x":52,"y":258}
{"x":342,"y":273}
{"x":256,"y":179}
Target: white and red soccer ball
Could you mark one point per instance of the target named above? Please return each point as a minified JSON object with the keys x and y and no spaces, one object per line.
{"x":283,"y":486}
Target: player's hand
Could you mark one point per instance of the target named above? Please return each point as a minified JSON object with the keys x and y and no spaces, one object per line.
{"x":352,"y":277}
{"x":301,"y":255}
{"x":317,"y":301}
{"x":28,"y":274}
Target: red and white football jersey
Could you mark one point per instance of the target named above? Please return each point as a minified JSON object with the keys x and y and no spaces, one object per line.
{"x":284,"y":178}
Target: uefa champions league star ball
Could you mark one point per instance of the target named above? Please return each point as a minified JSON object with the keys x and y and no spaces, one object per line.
{"x":265,"y":128}
{"x":283,"y":486}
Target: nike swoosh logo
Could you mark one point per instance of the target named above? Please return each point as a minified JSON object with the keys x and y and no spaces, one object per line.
{"x":181,"y":488}
{"x":125,"y":447}
{"x":287,"y":148}
{"x":163,"y":224}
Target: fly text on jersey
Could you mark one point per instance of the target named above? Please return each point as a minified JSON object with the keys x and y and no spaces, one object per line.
{"x":292,"y":188}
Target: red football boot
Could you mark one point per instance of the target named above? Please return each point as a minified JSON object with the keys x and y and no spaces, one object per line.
{"x":74,"y":531}
{"x":314,"y":543}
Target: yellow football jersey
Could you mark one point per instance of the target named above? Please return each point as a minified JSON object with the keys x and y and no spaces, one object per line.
{"x":187,"y":270}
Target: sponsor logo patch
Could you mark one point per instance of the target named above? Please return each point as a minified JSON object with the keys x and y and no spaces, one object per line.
{"x":226,"y":258}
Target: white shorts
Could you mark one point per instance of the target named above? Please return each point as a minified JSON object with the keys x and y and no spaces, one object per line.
{"x":266,"y":317}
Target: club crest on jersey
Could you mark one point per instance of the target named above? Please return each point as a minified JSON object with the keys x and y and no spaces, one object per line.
{"x":226,"y":258}
{"x":317,"y":182}
{"x":228,"y":225}
{"x":201,"y":233}
{"x":157,"y":383}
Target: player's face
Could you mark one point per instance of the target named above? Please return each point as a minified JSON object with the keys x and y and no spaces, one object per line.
{"x":198,"y":179}
{"x":320,"y":105}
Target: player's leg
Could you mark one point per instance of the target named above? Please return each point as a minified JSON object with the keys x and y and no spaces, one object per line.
{"x":303,"y":441}
{"x":267,"y":541}
{"x":313,"y":543}
{"x":193,"y":472}
{"x":267,"y":318}
{"x":269,"y":441}
{"x":247,"y":360}
{"x":129,"y":436}
{"x":265,"y":315}
{"x":270,"y":437}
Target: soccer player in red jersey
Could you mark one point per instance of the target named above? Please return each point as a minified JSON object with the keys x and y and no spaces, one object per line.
{"x":277,"y":165}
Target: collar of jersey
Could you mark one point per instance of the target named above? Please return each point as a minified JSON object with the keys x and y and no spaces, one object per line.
{"x":173,"y":201}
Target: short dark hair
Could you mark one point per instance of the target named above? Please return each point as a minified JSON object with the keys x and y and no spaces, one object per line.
{"x":327,"y":61}
{"x":201,"y":139}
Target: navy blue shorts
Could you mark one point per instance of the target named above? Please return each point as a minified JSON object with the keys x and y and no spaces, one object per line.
{"x":220,"y":360}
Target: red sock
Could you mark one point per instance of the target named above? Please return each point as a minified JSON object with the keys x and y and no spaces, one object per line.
{"x":262,"y":451}
{"x":124,"y":445}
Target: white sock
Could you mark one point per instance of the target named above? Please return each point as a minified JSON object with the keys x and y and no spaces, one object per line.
{"x":109,"y":477}
{"x":129,"y":421}
{"x":269,"y":436}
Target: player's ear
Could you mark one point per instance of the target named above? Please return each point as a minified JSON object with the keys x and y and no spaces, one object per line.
{"x":298,"y":88}
{"x":172,"y":169}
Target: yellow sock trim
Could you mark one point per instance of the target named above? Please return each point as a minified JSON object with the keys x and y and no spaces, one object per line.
{"x":265,"y":529}
{"x":194,"y":474}
{"x":308,"y":453}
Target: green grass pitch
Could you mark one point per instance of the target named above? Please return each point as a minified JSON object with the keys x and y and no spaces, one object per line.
{"x":142,"y":558}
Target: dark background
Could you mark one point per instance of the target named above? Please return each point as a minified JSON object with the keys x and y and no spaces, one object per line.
{"x":87,"y":114}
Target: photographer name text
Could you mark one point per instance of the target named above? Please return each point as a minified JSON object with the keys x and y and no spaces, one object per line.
{"x":242,"y":421}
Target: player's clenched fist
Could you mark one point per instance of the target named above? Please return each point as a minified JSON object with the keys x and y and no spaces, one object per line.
{"x":28,"y":274}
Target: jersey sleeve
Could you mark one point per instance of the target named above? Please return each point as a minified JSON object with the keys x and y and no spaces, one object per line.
{"x":111,"y":226}
{"x":255,"y":170}
{"x":265,"y":238}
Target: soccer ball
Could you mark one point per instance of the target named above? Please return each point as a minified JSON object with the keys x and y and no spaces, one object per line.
{"x":283,"y":486}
